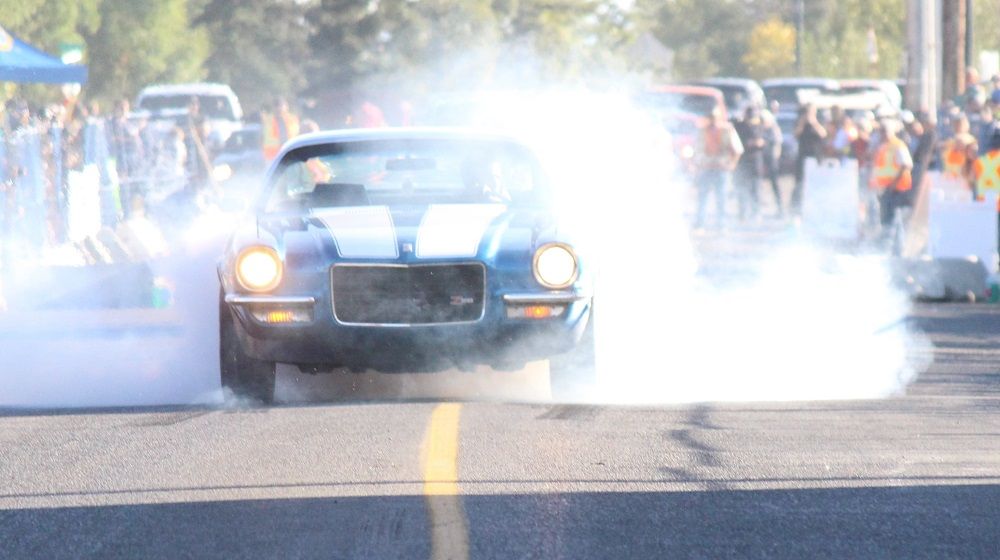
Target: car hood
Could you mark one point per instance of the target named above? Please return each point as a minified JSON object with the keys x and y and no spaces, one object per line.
{"x":411,"y":233}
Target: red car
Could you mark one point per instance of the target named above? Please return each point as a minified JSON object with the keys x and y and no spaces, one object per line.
{"x":683,"y":111}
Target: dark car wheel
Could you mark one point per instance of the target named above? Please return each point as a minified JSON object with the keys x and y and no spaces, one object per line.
{"x":245,"y":376}
{"x":573,"y":374}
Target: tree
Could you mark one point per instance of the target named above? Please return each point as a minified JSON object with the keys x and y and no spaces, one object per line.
{"x":353,"y":40}
{"x":712,"y":37}
{"x":771,"y":50}
{"x":47,"y":23}
{"x":462,"y":45}
{"x":139,"y":43}
{"x":563,"y":39}
{"x":986,"y":27}
{"x":708,"y":37}
{"x":259,"y":47}
{"x":837,"y":44}
{"x":394,"y":50}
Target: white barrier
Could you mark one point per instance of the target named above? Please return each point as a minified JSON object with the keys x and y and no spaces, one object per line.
{"x":959,"y":227}
{"x":830,"y":200}
{"x":122,"y":357}
{"x":83,"y":203}
{"x":947,"y":187}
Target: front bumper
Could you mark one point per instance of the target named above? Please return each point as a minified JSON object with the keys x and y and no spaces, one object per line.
{"x":499,"y":337}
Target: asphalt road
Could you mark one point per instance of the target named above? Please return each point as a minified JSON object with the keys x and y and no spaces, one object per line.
{"x":362,"y":477}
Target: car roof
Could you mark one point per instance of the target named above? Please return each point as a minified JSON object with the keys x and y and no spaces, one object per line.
{"x":854,"y":82}
{"x":740,"y":82}
{"x":686,"y":89}
{"x":801,"y":82}
{"x":199,"y":88}
{"x":392,"y":133}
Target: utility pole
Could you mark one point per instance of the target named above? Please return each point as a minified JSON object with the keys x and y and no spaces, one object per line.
{"x":970,"y":56}
{"x":923,"y":55}
{"x":953,"y":48}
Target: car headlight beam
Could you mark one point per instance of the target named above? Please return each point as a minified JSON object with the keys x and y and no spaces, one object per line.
{"x":258,"y":269}
{"x":555,"y":266}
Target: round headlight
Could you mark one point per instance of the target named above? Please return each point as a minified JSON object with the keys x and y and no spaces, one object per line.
{"x":555,"y":266}
{"x":258,"y":269}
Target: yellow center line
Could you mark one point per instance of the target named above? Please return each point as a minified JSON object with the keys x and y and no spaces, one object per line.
{"x":449,"y":527}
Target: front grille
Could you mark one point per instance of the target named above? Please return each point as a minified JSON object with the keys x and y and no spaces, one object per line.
{"x":408,"y":295}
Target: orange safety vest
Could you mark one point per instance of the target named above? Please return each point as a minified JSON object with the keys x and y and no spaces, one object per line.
{"x":712,"y":140}
{"x":271,"y":132}
{"x":717,"y":146}
{"x":987,"y":170}
{"x":886,"y":168}
{"x":955,"y":156}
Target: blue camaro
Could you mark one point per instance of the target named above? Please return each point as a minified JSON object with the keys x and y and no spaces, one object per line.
{"x":404,"y":250}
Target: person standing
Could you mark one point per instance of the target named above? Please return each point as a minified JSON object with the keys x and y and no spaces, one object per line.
{"x":987,"y":171}
{"x":810,"y":135}
{"x":772,"y":154}
{"x":719,"y":149}
{"x":277,"y":128}
{"x":176,"y":154}
{"x":126,"y":145}
{"x":862,"y":152}
{"x":959,"y":153}
{"x":199,"y":161}
{"x":750,"y":169}
{"x":924,"y":132}
{"x":843,"y":134}
{"x":891,"y":174}
{"x":980,"y":121}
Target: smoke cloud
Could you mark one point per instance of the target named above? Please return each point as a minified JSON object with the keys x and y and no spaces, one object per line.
{"x":801,"y":321}
{"x":125,"y":357}
{"x":805,"y":322}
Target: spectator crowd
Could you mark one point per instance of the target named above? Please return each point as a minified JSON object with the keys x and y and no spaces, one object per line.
{"x":894,"y":153}
{"x":49,"y":155}
{"x":41,"y":150}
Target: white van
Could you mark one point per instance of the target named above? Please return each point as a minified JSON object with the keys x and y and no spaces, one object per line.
{"x":217,"y":102}
{"x":791,"y":92}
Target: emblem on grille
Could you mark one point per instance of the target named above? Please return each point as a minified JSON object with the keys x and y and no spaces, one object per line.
{"x":461,"y":300}
{"x":407,"y":247}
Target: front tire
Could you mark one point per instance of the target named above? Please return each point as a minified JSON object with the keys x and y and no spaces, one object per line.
{"x":242,"y":374}
{"x":573,"y":375}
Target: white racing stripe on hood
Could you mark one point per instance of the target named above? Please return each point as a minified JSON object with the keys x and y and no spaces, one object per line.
{"x":361,"y":231}
{"x":455,"y":230}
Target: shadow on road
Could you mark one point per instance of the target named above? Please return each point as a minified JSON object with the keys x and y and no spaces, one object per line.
{"x":959,"y":320}
{"x":884,"y":522}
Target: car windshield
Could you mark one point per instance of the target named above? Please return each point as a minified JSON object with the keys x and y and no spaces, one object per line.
{"x":681,"y":124}
{"x":792,"y":95}
{"x":735,"y":97}
{"x":861,"y":89}
{"x":784,"y":95}
{"x":695,"y":104}
{"x":401,"y":172}
{"x":212,"y":106}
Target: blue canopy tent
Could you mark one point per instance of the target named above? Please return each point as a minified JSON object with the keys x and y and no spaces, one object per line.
{"x":22,"y":63}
